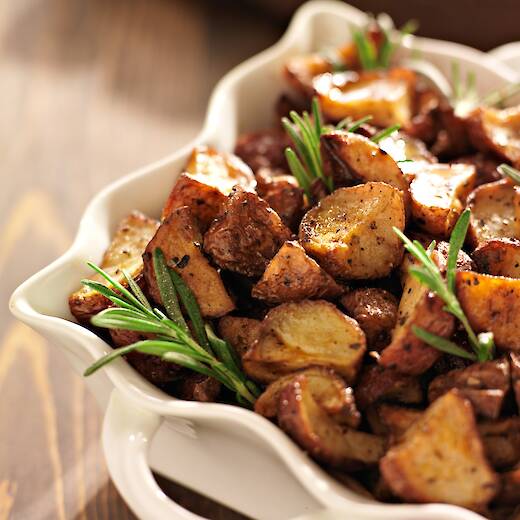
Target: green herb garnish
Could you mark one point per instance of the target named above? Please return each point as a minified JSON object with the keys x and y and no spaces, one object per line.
{"x":498,"y":97}
{"x":202,"y":352}
{"x":429,"y":274}
{"x":385,"y":133}
{"x":510,"y":172}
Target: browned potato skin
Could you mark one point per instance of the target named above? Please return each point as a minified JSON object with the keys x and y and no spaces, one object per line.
{"x":299,"y":335}
{"x":499,"y":257}
{"x":441,"y":458}
{"x":350,"y":231}
{"x":246,"y":235}
{"x":377,"y":383}
{"x":198,"y":387}
{"x":292,"y":276}
{"x":491,"y":303}
{"x":510,"y":488}
{"x":124,"y":252}
{"x":311,"y":427}
{"x":376,"y":312}
{"x":515,"y":376}
{"x":495,"y":212}
{"x":179,"y":238}
{"x":397,"y":420}
{"x":240,"y":333}
{"x":501,"y":439}
{"x":364,"y":160}
{"x":328,"y":389}
{"x":485,"y":385}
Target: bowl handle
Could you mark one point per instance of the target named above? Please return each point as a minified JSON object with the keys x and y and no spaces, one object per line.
{"x":127,"y":432}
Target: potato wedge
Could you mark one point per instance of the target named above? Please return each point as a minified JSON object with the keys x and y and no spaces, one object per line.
{"x":495,"y":212}
{"x":402,"y":147}
{"x":501,"y":439}
{"x":397,"y":420}
{"x":292,"y":276}
{"x":491,"y":303}
{"x":497,"y":131}
{"x":499,"y":257}
{"x":206,"y":183}
{"x":240,"y":333}
{"x":245,"y":237}
{"x":308,"y":333}
{"x":364,"y":160}
{"x":328,"y":389}
{"x":386,"y":96}
{"x":123,"y":253}
{"x":441,"y":458}
{"x":376,"y":312}
{"x":438,"y":193}
{"x":179,"y":238}
{"x":485,"y":385}
{"x":350,"y":232}
{"x":300,"y":415}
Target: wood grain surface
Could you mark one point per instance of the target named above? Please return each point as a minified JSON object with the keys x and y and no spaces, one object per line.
{"x":89,"y":90}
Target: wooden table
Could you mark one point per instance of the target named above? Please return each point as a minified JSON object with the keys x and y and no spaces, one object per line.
{"x":89,"y":90}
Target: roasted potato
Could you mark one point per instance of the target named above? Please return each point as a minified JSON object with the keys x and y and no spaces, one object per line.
{"x":206,"y":183}
{"x":246,"y":235}
{"x":300,"y":415}
{"x":180,"y":240}
{"x":510,"y":488}
{"x":387,"y":96}
{"x":498,"y":131}
{"x":439,"y":192}
{"x":402,"y":147}
{"x":263,"y":149}
{"x":501,"y":439}
{"x":123,"y":253}
{"x":491,"y":304}
{"x":292,"y":276}
{"x":328,"y":389}
{"x":485,"y":166}
{"x":198,"y":387}
{"x":441,"y":458}
{"x":495,"y":212}
{"x":376,"y":312}
{"x":397,"y":420}
{"x":240,"y":333}
{"x":350,"y":232}
{"x":356,"y":156}
{"x":514,"y":359}
{"x":485,"y":385}
{"x":499,"y":257}
{"x":308,"y":333}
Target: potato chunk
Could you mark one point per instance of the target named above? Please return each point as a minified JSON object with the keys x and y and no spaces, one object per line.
{"x":292,"y":275}
{"x":308,"y":333}
{"x":350,"y":232}
{"x":439,"y":192}
{"x":300,"y":415}
{"x":206,"y":183}
{"x":501,"y":439}
{"x":441,"y":458}
{"x":328,"y":388}
{"x":180,"y":240}
{"x":124,"y":253}
{"x":495,"y":212}
{"x":515,"y":376}
{"x":386,"y":96}
{"x":240,"y":333}
{"x":246,"y":235}
{"x":403,"y":147}
{"x":492,"y":303}
{"x":499,"y":257}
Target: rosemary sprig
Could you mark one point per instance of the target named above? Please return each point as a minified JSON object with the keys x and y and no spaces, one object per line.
{"x":465,"y":96}
{"x":202,"y":352}
{"x":385,"y":133}
{"x":429,"y":274}
{"x":498,"y":97}
{"x":509,"y":171}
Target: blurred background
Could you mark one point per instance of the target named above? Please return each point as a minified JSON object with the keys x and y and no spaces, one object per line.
{"x":90,"y":90}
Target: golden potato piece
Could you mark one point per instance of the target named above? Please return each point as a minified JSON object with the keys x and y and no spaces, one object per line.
{"x":180,"y":240}
{"x":387,"y":96}
{"x":327,"y":387}
{"x":498,"y":131}
{"x":499,"y":257}
{"x":246,"y":235}
{"x":402,"y":147}
{"x":240,"y":333}
{"x":206,"y":183}
{"x":376,"y":312}
{"x":300,"y":415}
{"x":124,"y":253}
{"x":495,"y":212}
{"x":492,"y":304}
{"x":308,"y":333}
{"x":439,"y":192}
{"x":350,"y":231}
{"x":363,"y":159}
{"x":441,"y":458}
{"x":292,"y":276}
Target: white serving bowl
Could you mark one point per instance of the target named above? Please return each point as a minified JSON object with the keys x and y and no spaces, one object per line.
{"x":227,"y":453}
